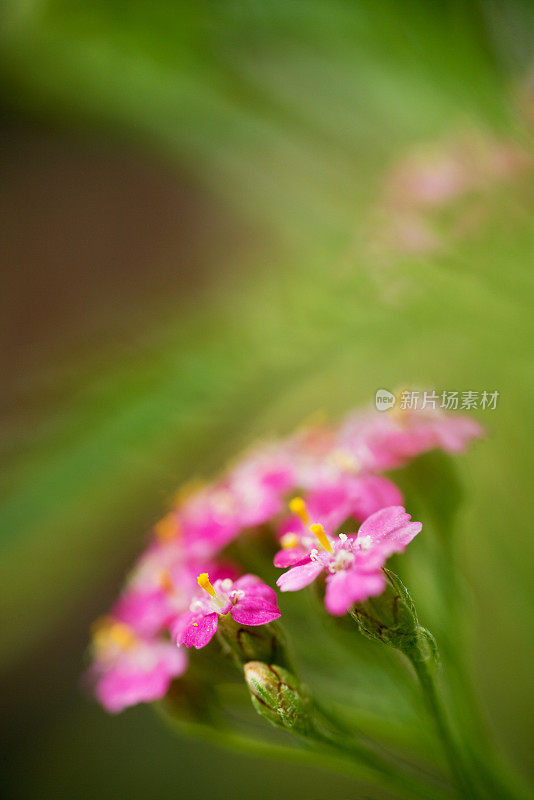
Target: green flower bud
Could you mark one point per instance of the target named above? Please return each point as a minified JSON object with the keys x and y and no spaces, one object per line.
{"x":277,"y":695}
{"x":257,"y":643}
{"x":391,"y":617}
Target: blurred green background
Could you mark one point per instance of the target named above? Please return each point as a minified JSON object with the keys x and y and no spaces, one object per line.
{"x":188,"y":194}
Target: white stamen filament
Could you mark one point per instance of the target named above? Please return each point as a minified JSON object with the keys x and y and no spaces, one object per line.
{"x":342,"y":560}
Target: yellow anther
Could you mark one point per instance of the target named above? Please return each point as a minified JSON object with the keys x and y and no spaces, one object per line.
{"x":203,"y":581}
{"x":167,"y":528}
{"x":165,"y":581}
{"x":187,"y":490}
{"x":318,"y":531}
{"x":289,"y":540}
{"x":345,"y":461}
{"x":298,"y":506}
{"x":100,"y":626}
{"x":107,"y":631}
{"x":122,"y":635}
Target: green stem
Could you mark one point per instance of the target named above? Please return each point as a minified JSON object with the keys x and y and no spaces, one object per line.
{"x":454,"y":757}
{"x":340,"y":757}
{"x":435,"y":470}
{"x":342,"y":727}
{"x":402,"y":782}
{"x":485,"y":760}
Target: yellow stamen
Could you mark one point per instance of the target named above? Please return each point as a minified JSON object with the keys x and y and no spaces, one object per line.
{"x":167,"y":528}
{"x":298,"y":507}
{"x":187,"y":490}
{"x":204,"y":583}
{"x":165,"y":581}
{"x":318,"y":531}
{"x":107,"y":631}
{"x":345,"y":461}
{"x":289,"y":540}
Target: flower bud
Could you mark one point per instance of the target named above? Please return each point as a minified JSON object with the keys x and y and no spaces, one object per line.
{"x":277,"y":695}
{"x":391,"y":617}
{"x":258,"y":643}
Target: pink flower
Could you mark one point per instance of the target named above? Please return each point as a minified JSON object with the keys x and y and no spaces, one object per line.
{"x":152,"y":609}
{"x":161,"y":586}
{"x":159,"y":556}
{"x":248,"y":600}
{"x":350,"y":496}
{"x":386,"y":440}
{"x":260,"y":481}
{"x":249,"y":495}
{"x":353,"y":562}
{"x":209,"y":520}
{"x":269,"y":465}
{"x":129,"y":669}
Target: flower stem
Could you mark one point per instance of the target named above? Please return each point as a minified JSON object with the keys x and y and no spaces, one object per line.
{"x":435,"y":707}
{"x":340,"y":757}
{"x":403,"y":783}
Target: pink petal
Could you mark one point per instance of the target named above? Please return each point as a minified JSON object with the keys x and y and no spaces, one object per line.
{"x":255,"y":587}
{"x":140,"y":677}
{"x":254,"y":611}
{"x":326,"y":500}
{"x":173,"y":658}
{"x":147,"y":612}
{"x":290,"y":557}
{"x":299,"y":577}
{"x":391,"y":526}
{"x":374,"y":493}
{"x":117,"y":690}
{"x":217,"y":572}
{"x":453,"y":433}
{"x":347,"y":587}
{"x":197,"y":630}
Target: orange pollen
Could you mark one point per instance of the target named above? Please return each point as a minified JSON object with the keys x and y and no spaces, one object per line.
{"x":289,"y":540}
{"x":165,"y":581}
{"x":167,"y":528}
{"x":107,"y":631}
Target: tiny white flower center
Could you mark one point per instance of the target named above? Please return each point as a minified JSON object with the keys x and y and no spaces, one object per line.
{"x":342,"y":560}
{"x":236,"y":595}
{"x":345,"y":460}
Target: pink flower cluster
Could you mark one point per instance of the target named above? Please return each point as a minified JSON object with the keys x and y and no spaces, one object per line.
{"x":328,"y":477}
{"x":438,"y":193}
